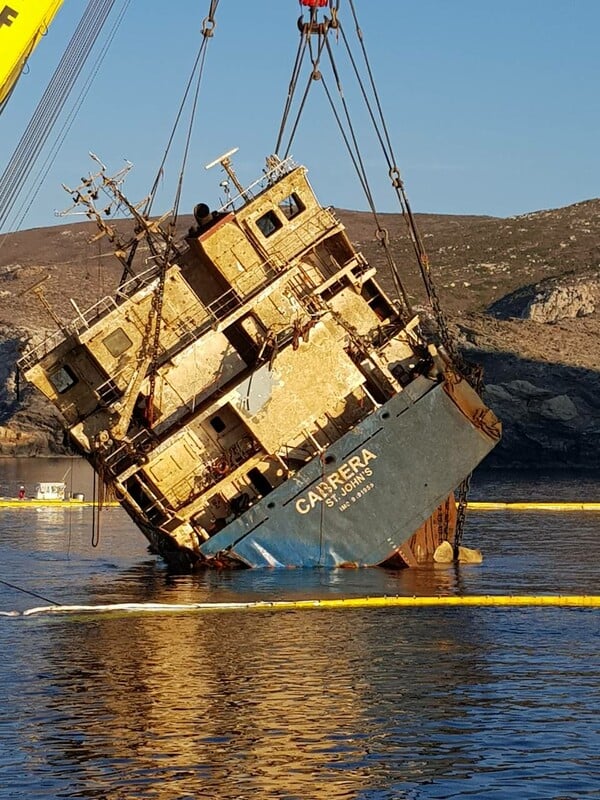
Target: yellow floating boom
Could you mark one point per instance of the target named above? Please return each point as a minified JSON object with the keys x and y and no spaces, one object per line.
{"x":498,"y":601}
{"x":483,"y":506}
{"x":13,"y":502}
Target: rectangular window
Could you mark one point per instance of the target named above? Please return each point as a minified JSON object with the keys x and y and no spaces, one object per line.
{"x":269,"y":223}
{"x":62,"y":379}
{"x":217,"y":424}
{"x":291,"y":206}
{"x":117,"y":342}
{"x":260,"y":482}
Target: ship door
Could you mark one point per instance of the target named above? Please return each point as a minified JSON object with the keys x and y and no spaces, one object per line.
{"x":260,"y":482}
{"x":245,"y":345}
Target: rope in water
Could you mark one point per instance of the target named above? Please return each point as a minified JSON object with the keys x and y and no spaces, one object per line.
{"x":497,"y":601}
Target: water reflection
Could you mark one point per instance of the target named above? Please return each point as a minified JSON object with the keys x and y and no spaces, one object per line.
{"x":253,"y":702}
{"x":315,"y":704}
{"x":373,"y":704}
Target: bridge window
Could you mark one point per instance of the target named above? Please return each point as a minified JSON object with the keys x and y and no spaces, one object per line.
{"x":269,"y":223}
{"x":62,"y":379}
{"x":291,"y":206}
{"x":117,"y":342}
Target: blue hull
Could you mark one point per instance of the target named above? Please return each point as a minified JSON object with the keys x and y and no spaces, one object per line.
{"x":367,"y":495}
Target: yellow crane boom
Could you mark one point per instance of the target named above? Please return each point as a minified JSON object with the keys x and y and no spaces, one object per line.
{"x":22,"y":25}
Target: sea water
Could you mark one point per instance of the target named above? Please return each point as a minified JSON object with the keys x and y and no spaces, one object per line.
{"x":355,"y":703}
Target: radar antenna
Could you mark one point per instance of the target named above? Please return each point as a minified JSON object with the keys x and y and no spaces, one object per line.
{"x":225,"y":162}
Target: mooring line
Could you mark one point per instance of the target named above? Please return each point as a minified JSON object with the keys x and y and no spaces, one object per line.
{"x":497,"y":601}
{"x":29,"y":592}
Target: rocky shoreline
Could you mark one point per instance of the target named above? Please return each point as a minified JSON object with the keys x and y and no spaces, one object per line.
{"x":534,"y":325}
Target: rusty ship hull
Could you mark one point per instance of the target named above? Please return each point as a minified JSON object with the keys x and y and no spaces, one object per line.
{"x":382,"y":494}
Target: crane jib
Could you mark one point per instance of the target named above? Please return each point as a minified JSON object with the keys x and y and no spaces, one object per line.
{"x":22,"y":24}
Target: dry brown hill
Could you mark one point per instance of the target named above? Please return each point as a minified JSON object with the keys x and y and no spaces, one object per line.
{"x":475,"y":259}
{"x":476,"y":262}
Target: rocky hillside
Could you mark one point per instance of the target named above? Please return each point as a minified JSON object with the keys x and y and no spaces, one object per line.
{"x":522,"y":295}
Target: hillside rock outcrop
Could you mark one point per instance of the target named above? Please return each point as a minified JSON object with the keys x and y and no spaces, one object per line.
{"x":550,"y":414}
{"x":29,"y":424}
{"x":552,"y":300}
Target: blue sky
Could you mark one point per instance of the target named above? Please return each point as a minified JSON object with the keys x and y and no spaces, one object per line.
{"x":492,"y":104}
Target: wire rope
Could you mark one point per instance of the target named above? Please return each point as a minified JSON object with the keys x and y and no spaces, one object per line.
{"x":29,"y":592}
{"x":208,"y":28}
{"x":302,"y":48}
{"x":51,"y":105}
{"x":311,"y":78}
{"x":347,"y":131}
{"x":66,"y":127}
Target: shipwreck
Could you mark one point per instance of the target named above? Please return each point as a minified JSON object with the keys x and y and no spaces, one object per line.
{"x":253,"y":397}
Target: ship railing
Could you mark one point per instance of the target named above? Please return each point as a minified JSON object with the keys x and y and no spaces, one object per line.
{"x":137,"y":447}
{"x":314,"y":229}
{"x":269,"y":177}
{"x":35,"y":353}
{"x":85,"y":319}
{"x":107,"y":304}
{"x":225,"y":304}
{"x":216,"y":469}
{"x":110,"y":390}
{"x":233,"y":298}
{"x":80,"y":323}
{"x":139,"y":281}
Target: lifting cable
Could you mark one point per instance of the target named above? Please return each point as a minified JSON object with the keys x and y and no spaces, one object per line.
{"x":356,"y":157}
{"x":50,"y":106}
{"x":377,"y":117}
{"x":302,"y":47}
{"x":398,"y":185}
{"x":322,"y":30}
{"x":208,"y":28}
{"x":306,"y":33}
{"x":351,"y":143}
{"x":26,"y":591}
{"x":59,"y":140}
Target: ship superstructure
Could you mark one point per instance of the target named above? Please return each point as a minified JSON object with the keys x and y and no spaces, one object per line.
{"x":255,"y":398}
